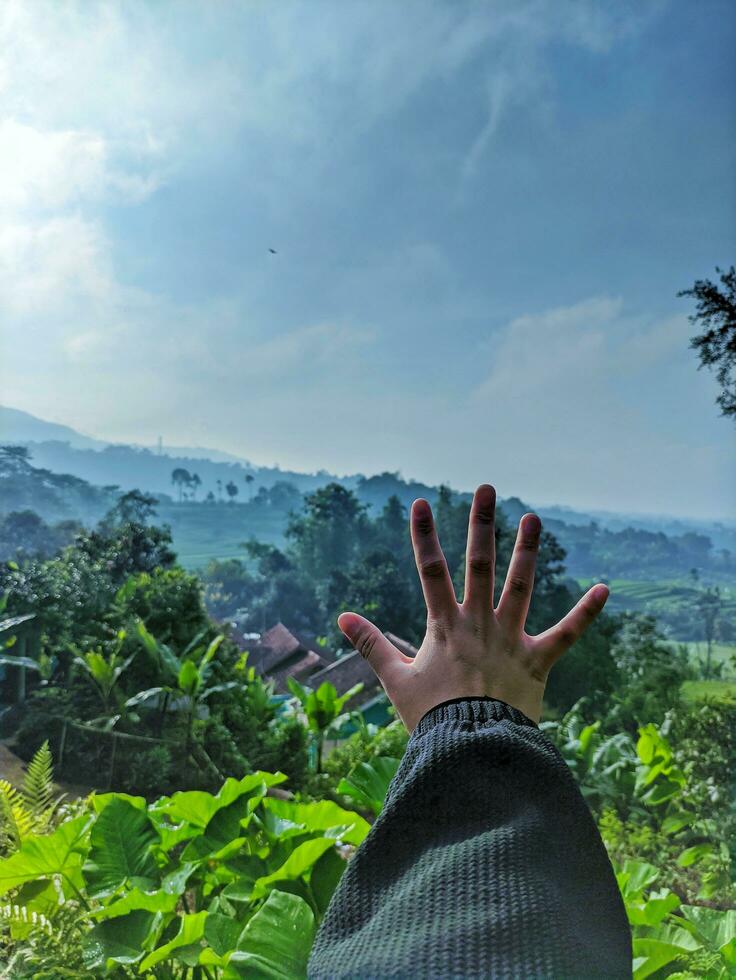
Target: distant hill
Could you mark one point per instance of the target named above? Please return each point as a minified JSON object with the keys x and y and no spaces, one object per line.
{"x":53,"y":496}
{"x":21,"y":428}
{"x":61,"y":449}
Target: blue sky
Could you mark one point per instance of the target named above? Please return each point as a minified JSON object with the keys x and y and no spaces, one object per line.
{"x":482,"y":213}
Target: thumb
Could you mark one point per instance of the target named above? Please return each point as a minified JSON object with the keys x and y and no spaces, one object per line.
{"x":370,"y":643}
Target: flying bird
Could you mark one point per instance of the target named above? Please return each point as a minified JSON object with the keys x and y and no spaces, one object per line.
{"x":273,"y":251}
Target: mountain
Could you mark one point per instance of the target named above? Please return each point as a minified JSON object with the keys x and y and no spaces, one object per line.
{"x":61,"y":449}
{"x":22,"y":428}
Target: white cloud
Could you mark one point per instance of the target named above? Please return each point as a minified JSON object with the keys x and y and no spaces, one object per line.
{"x":53,"y":266}
{"x":571,"y":389}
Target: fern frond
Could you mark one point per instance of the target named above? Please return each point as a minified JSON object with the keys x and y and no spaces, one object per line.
{"x":38,"y":784}
{"x":16,"y":820}
{"x":19,"y":915}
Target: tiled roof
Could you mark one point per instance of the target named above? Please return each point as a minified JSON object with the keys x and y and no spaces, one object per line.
{"x":346,"y":671}
{"x":280,"y":640}
{"x":301,"y":669}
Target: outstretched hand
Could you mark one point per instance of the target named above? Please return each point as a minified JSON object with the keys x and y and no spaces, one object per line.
{"x":471,"y":649}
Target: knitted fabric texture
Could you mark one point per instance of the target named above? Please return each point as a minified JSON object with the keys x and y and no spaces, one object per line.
{"x":484,"y":862}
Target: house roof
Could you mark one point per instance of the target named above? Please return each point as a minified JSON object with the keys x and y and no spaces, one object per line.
{"x":346,"y":671}
{"x":300,"y":669}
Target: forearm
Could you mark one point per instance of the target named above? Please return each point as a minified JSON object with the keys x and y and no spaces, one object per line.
{"x":484,"y":862}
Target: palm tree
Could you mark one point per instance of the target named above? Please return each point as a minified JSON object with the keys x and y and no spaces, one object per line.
{"x":219,"y":489}
{"x":232,"y":491}
{"x":195,"y":483}
{"x":180,"y":478}
{"x":249,"y":478}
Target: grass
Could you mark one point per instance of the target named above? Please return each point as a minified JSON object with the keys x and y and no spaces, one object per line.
{"x":725,"y":691}
{"x":724,"y":653}
{"x":201,"y":533}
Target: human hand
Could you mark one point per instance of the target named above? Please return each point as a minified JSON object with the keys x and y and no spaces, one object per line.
{"x":471,"y":649}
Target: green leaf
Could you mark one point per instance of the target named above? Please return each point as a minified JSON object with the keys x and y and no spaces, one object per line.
{"x":120,"y":940}
{"x":101,"y":800}
{"x":670,"y":825}
{"x":188,"y":679}
{"x":716,"y":927}
{"x":60,"y":853}
{"x":276,"y":942}
{"x":692,"y":854}
{"x":651,"y":955}
{"x":654,"y":910}
{"x":324,"y":878}
{"x":368,"y":782}
{"x":163,"y":658}
{"x":321,"y":816}
{"x":301,"y":859}
{"x":221,"y":932}
{"x":635,"y":876}
{"x":7,"y":661}
{"x":137,"y":899}
{"x":198,"y":808}
{"x":210,"y":652}
{"x":185,"y":945}
{"x":120,"y":849}
{"x":223,"y":835}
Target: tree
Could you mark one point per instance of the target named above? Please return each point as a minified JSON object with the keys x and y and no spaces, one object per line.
{"x":232,"y":491}
{"x":249,"y":478}
{"x":181,"y":478}
{"x":133,"y":507}
{"x":195,"y":483}
{"x":219,"y":489}
{"x":329,"y":532}
{"x":716,"y":345}
{"x":17,"y":454}
{"x":709,"y":604}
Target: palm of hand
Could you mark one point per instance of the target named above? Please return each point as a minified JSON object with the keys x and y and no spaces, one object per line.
{"x":471,"y":649}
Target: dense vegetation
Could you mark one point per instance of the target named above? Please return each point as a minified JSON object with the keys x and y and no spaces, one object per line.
{"x":184,"y":863}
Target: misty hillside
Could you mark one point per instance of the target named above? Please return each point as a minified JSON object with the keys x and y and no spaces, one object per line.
{"x":61,"y":449}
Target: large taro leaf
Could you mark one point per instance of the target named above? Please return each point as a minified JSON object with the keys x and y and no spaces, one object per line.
{"x":198,"y":808}
{"x":101,"y":800}
{"x":137,"y":899}
{"x":58,"y":854}
{"x":221,"y":932}
{"x":121,"y":939}
{"x":652,"y":954}
{"x":716,"y":927}
{"x":223,"y":835}
{"x":120,"y":849}
{"x":185,"y":946}
{"x":298,"y":863}
{"x":276,"y":941}
{"x":323,"y":815}
{"x":324,"y":878}
{"x":368,"y":782}
{"x":635,"y":877}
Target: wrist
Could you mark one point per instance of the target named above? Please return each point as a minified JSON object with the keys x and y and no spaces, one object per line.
{"x":469,"y":710}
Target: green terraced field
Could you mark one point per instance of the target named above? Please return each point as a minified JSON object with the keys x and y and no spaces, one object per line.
{"x":718,"y":690}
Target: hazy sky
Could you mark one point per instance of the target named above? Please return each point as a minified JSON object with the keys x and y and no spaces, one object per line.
{"x":482,"y":214}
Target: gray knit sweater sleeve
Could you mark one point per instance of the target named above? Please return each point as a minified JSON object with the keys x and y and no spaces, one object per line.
{"x":484,"y":862}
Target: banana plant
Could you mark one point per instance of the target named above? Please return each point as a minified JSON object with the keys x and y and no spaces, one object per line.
{"x":183,"y":677}
{"x":665,"y":931}
{"x":323,"y":709}
{"x":103,"y":672}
